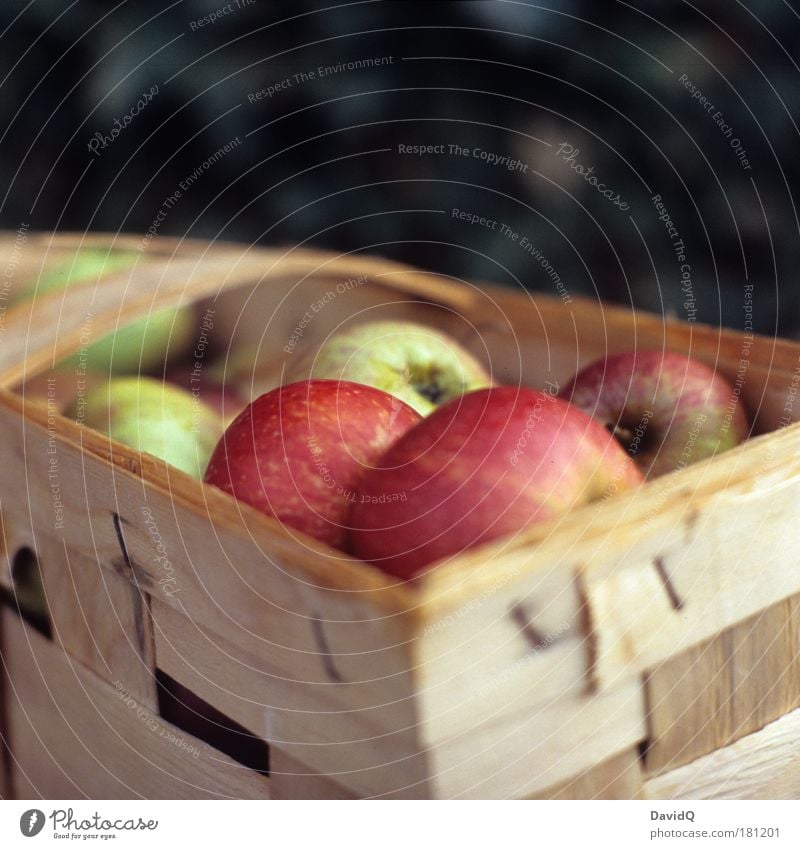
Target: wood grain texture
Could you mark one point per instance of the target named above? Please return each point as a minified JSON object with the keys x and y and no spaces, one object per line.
{"x":619,"y":777}
{"x":725,"y":688}
{"x":763,"y":765}
{"x":289,"y":779}
{"x":349,"y":731}
{"x":98,"y":612}
{"x":100,"y":618}
{"x":539,"y":748}
{"x":73,"y":736}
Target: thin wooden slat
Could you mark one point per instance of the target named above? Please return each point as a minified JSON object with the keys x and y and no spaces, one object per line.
{"x":290,"y":779}
{"x":519,"y":644}
{"x":249,"y":687}
{"x":101,"y":617}
{"x":74,"y":735}
{"x":212,"y":668}
{"x":619,"y":777}
{"x":763,"y":765}
{"x":501,"y":317}
{"x":350,"y":731}
{"x":726,"y":688}
{"x":709,"y":569}
{"x":539,"y":748}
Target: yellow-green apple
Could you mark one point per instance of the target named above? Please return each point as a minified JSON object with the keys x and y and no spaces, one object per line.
{"x":299,"y":451}
{"x":667,"y":410}
{"x":140,"y":346}
{"x":482,"y":466}
{"x":416,"y":363}
{"x":151,"y":416}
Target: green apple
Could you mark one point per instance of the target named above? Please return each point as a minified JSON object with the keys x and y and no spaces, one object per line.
{"x":140,"y":346}
{"x":149,"y":415}
{"x":416,"y":363}
{"x":82,"y":266}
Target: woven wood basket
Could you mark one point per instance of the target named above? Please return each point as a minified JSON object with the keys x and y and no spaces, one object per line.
{"x":647,"y":646}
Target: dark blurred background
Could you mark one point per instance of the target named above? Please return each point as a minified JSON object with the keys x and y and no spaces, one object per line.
{"x":108,"y":107}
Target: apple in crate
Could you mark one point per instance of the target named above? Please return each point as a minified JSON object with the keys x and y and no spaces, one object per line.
{"x":483,"y":466}
{"x":140,"y":346}
{"x":667,"y":410}
{"x":151,"y":416}
{"x":416,"y":363}
{"x":299,"y":451}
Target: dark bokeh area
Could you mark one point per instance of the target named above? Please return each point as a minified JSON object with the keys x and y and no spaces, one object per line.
{"x":642,"y":155}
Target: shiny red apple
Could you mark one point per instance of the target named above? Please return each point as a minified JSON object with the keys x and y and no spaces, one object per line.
{"x":299,"y":451}
{"x":666,"y":409}
{"x":482,"y":466}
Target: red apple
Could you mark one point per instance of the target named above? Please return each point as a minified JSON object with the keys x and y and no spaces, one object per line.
{"x":666,"y":409}
{"x":482,"y":466}
{"x":298,"y":452}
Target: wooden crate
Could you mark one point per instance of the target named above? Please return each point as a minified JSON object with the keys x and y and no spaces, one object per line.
{"x":645,"y":646}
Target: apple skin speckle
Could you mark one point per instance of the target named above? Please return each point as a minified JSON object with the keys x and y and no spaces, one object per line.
{"x":298,"y":452}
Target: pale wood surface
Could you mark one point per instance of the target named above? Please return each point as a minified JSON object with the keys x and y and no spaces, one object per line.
{"x":764,"y":765}
{"x":99,"y":615}
{"x":619,"y":777}
{"x":351,"y":731}
{"x":725,"y":688}
{"x":290,"y":779}
{"x":100,"y":618}
{"x":539,"y":748}
{"x":76,"y":736}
